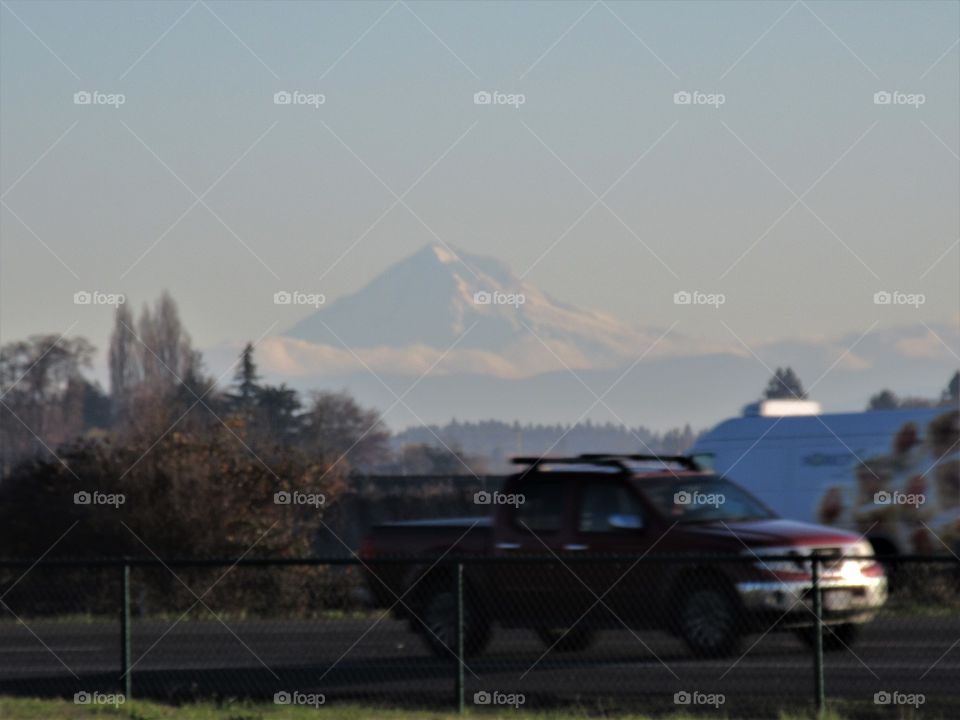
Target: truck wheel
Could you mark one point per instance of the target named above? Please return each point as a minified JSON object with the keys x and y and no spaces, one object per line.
{"x":708,"y":622}
{"x":439,"y":626}
{"x":837,"y":637}
{"x":574,"y":641}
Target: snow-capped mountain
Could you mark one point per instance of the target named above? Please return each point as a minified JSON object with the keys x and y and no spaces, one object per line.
{"x":471,"y":310}
{"x":477,"y":342}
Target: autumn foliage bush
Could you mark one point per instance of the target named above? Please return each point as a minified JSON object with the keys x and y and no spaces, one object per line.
{"x":199,"y":491}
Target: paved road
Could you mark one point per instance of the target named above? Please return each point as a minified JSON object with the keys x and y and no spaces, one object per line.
{"x":355,"y":659}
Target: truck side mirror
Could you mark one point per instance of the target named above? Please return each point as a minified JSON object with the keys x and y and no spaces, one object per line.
{"x":625,"y":522}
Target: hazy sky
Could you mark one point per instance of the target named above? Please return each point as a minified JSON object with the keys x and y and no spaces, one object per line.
{"x":100,"y":197}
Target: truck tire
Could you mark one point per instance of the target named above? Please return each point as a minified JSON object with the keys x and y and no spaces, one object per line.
{"x":838,"y":637}
{"x":576,"y":640}
{"x":709,"y":621}
{"x":438,"y":625}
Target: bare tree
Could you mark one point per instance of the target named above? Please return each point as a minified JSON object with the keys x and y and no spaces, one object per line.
{"x":42,"y":392}
{"x":155,"y":374}
{"x":166,"y":355}
{"x":124,"y":360}
{"x":336,"y":427}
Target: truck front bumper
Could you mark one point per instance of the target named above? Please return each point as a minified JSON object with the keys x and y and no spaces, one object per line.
{"x":843,"y":600}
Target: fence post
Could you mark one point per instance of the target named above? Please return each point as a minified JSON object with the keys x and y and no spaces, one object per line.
{"x":458,"y":682}
{"x":817,"y":636}
{"x":126,"y":677}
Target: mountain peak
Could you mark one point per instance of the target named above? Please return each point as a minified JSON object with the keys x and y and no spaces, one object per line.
{"x":439,"y":297}
{"x":453,"y":260}
{"x":443,"y":254}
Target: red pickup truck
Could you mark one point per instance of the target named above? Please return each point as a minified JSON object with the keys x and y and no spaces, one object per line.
{"x":716,"y":563}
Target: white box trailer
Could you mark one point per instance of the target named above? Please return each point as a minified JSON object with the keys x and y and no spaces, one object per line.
{"x":891,"y":475}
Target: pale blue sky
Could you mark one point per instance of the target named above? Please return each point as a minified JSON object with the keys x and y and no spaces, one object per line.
{"x":399,"y":79}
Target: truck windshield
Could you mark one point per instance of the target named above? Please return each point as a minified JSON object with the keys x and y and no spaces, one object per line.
{"x":703,"y":499}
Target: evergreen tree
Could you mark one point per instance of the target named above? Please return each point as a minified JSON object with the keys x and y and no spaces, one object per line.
{"x":884,"y":400}
{"x":784,"y":385}
{"x":245,"y":380}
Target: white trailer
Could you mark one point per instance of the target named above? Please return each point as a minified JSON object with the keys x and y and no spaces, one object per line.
{"x":891,"y":475}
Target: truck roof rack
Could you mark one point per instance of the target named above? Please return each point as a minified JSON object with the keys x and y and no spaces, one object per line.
{"x":616,"y":460}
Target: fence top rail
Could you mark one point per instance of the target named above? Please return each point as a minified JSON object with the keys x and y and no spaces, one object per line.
{"x":449,"y":560}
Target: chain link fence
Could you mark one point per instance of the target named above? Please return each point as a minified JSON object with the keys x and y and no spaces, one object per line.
{"x":602,"y":634}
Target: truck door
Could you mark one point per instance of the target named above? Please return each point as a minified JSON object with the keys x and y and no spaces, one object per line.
{"x":536,"y":526}
{"x":610,"y":520}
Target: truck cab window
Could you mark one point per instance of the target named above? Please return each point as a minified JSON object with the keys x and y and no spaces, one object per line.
{"x":601,"y":501}
{"x":542,"y":507}
{"x":705,"y":461}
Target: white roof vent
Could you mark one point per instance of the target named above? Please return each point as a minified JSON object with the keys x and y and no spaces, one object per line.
{"x":781,"y":408}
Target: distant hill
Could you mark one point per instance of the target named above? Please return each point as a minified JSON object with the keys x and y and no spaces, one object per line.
{"x":495,"y":442}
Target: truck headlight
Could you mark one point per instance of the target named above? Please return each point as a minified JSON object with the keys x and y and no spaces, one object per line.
{"x":860,"y":560}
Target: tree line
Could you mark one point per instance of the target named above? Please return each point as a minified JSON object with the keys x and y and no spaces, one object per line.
{"x":785,"y":384}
